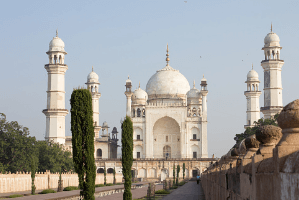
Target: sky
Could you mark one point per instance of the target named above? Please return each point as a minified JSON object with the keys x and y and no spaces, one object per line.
{"x":220,"y":39}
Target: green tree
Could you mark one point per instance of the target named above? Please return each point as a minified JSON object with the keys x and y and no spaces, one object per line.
{"x":173,"y":173}
{"x":83,"y":141}
{"x":127,"y":155}
{"x":178,"y":172}
{"x":184,"y":168}
{"x":251,"y":131}
{"x":105,"y":175}
{"x":114,"y":180}
{"x":34,"y":161}
{"x":16,"y":146}
{"x":53,"y":157}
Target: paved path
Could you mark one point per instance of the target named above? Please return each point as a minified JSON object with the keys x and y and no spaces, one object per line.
{"x":190,"y":191}
{"x":137,"y":193}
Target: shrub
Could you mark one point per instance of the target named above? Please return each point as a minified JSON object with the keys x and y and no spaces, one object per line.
{"x":109,"y":184}
{"x":174,"y":187}
{"x":70,"y":188}
{"x":162,"y":192}
{"x":99,"y":185}
{"x":118,"y":184}
{"x":182,"y":183}
{"x":15,"y":195}
{"x":47,"y":191}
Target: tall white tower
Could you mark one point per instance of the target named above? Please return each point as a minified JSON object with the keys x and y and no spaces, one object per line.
{"x":56,"y":112}
{"x":128,"y":94}
{"x":93,"y":86}
{"x":204,"y":124}
{"x":253,"y":98}
{"x":272,"y":76}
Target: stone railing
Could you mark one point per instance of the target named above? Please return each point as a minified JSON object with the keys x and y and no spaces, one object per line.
{"x":266,"y":168}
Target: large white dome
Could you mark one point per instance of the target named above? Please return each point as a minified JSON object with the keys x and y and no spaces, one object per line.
{"x":167,"y":81}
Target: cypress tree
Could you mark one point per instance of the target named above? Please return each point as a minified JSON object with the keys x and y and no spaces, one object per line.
{"x":114,"y":180}
{"x":105,"y":182}
{"x":83,"y":141}
{"x":127,"y":155}
{"x":184,"y":168}
{"x":33,"y":170}
{"x":173,"y":174}
{"x":177,"y":177}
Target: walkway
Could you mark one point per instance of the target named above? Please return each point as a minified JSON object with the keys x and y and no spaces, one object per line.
{"x":190,"y":191}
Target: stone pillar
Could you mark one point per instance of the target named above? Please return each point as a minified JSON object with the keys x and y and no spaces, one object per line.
{"x":288,"y":120}
{"x":151,"y":191}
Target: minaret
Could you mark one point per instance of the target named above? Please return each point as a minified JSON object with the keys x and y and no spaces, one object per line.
{"x":93,"y":86}
{"x":204,"y":122}
{"x":253,"y":98}
{"x":272,"y":76}
{"x":56,"y":112}
{"x":128,"y":94}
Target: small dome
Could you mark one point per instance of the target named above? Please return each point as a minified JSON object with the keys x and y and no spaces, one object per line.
{"x":139,"y":94}
{"x":193,"y":93}
{"x":252,"y":75}
{"x":56,"y":44}
{"x":271,"y":39}
{"x":92,"y":77}
{"x":105,"y":125}
{"x":203,"y":79}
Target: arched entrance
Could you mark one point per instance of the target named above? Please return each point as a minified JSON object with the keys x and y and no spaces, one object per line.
{"x":166,"y":135}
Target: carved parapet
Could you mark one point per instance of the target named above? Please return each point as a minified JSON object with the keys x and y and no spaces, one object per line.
{"x":269,"y":136}
{"x":288,"y":120}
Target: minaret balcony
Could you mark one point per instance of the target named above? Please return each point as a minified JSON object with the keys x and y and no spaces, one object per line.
{"x":272,"y":60}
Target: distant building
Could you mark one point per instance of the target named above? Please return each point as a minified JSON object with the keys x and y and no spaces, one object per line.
{"x":169,"y":118}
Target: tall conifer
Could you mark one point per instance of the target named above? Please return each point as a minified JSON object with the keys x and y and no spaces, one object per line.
{"x":127,"y":155}
{"x":83,"y":141}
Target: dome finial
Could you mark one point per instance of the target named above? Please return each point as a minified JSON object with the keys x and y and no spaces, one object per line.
{"x":203,"y":75}
{"x":252,"y":66}
{"x":56,"y":32}
{"x":139,"y":84}
{"x":271,"y":27}
{"x":128,"y":77}
{"x":167,"y":56}
{"x":92,"y":68}
{"x":193,"y":83}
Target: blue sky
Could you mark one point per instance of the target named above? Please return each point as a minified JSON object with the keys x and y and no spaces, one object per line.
{"x":220,"y":39}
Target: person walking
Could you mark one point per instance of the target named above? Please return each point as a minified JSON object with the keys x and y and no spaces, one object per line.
{"x":197,"y":179}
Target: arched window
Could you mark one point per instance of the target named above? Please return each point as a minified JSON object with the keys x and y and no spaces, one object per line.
{"x":100,"y":170}
{"x":110,"y":170}
{"x":55,"y":59}
{"x":138,"y":112}
{"x":143,"y":112}
{"x":133,"y":112}
{"x":167,"y":151}
{"x":60,"y":60}
{"x":99,"y":153}
{"x":194,"y":112}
